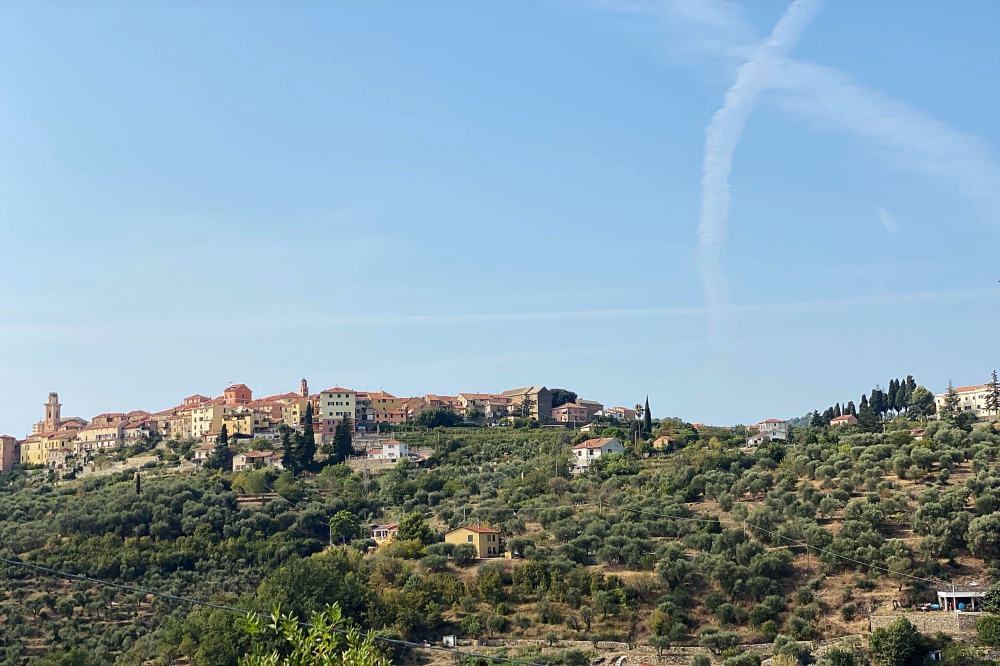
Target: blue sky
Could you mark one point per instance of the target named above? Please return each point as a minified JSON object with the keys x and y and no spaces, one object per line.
{"x":444,"y":197}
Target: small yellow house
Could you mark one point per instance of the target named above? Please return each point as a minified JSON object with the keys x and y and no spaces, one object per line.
{"x":485,"y":539}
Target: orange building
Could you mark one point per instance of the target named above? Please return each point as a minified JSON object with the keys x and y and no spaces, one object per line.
{"x":238,"y":394}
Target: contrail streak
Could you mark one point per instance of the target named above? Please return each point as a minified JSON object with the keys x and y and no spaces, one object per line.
{"x":721,"y":137}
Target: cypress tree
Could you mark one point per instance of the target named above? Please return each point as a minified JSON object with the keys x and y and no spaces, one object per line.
{"x":851,"y":409}
{"x":866,"y":417}
{"x":902,"y":398}
{"x":222,"y":457}
{"x":647,"y":420}
{"x":288,"y":460}
{"x":305,"y":449}
{"x":878,"y":402}
{"x":138,"y":483}
{"x":836,"y":410}
{"x":893,"y":390}
{"x":343,"y":442}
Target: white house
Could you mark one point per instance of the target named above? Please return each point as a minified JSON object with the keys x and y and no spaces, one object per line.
{"x":201,"y":453}
{"x":773,"y":428}
{"x":970,"y":399}
{"x":390,"y":450}
{"x":768,"y":431}
{"x":250,"y":459}
{"x":592,"y":449}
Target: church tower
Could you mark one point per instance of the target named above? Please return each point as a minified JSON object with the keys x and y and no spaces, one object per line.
{"x":53,"y":412}
{"x":304,"y":388}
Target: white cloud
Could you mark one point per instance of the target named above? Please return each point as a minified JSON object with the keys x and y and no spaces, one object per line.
{"x":887,"y":220}
{"x":714,"y":32}
{"x":721,"y":137}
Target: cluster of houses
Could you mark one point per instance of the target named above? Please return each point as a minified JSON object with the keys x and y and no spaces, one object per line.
{"x":56,"y":439}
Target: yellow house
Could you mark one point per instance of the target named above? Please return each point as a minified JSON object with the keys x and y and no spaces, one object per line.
{"x":35,"y":449}
{"x":337,"y":403}
{"x":293,"y":411}
{"x":207,"y":417}
{"x":243,"y":420}
{"x":485,"y":539}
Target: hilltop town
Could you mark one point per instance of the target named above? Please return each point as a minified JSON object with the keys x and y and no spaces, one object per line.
{"x":529,"y":524}
{"x":63,"y":442}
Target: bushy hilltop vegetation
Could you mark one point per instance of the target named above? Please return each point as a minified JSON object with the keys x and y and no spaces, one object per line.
{"x":692,"y":546}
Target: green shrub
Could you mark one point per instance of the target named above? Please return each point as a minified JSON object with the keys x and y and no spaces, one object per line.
{"x":988,"y":627}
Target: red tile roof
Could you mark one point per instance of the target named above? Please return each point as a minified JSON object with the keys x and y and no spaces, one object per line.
{"x":970,"y":389}
{"x":477,"y":529}
{"x":594,"y":443}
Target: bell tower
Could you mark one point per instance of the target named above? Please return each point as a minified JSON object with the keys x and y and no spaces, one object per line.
{"x":53,"y":412}
{"x":304,"y":388}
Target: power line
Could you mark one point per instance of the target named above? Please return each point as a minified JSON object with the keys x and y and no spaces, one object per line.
{"x":232,"y":609}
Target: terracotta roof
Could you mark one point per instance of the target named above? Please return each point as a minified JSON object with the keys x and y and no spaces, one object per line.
{"x":970,"y":389}
{"x":594,"y":443}
{"x":339,"y":389}
{"x":843,"y":417}
{"x":476,"y":529}
{"x":475,"y":396}
{"x":7,"y":437}
{"x":772,"y":421}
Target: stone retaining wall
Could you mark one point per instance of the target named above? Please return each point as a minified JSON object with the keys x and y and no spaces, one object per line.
{"x":956,"y":624}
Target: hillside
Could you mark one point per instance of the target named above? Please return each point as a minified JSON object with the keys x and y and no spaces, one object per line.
{"x":707,"y":536}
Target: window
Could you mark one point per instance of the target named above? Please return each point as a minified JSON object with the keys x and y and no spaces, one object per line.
{"x":470,"y":538}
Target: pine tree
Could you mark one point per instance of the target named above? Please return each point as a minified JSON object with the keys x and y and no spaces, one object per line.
{"x":647,"y":419}
{"x":305,"y":448}
{"x":993,"y":394}
{"x":816,"y":420}
{"x":222,"y":457}
{"x":951,"y":401}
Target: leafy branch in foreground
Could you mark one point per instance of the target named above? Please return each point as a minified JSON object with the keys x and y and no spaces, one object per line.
{"x":324,"y":643}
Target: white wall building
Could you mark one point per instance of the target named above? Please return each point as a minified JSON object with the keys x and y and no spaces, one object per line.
{"x":589,"y":451}
{"x":970,"y":399}
{"x":390,"y":450}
